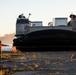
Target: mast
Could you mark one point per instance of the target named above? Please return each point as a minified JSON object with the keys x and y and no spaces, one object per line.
{"x":29,"y":15}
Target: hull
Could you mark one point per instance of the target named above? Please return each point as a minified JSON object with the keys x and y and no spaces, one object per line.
{"x":47,"y":40}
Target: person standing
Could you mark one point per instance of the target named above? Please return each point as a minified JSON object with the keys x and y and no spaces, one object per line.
{"x":73,"y":18}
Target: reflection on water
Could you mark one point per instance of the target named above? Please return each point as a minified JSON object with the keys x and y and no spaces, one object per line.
{"x":39,"y":63}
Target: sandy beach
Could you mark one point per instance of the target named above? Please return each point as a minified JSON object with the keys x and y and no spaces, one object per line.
{"x":41,"y":63}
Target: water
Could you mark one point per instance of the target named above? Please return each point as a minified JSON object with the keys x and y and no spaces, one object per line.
{"x":7,"y":48}
{"x":41,"y":63}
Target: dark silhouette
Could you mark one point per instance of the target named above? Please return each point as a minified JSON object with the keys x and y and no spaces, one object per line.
{"x":73,"y":18}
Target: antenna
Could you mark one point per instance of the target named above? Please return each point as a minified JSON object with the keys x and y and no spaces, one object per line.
{"x":29,"y":15}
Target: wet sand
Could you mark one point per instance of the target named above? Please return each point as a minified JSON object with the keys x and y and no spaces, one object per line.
{"x":42,"y":63}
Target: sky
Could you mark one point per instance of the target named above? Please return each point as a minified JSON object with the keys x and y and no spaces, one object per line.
{"x":41,"y":10}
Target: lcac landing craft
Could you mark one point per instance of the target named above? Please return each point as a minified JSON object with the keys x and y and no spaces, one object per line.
{"x":33,"y":36}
